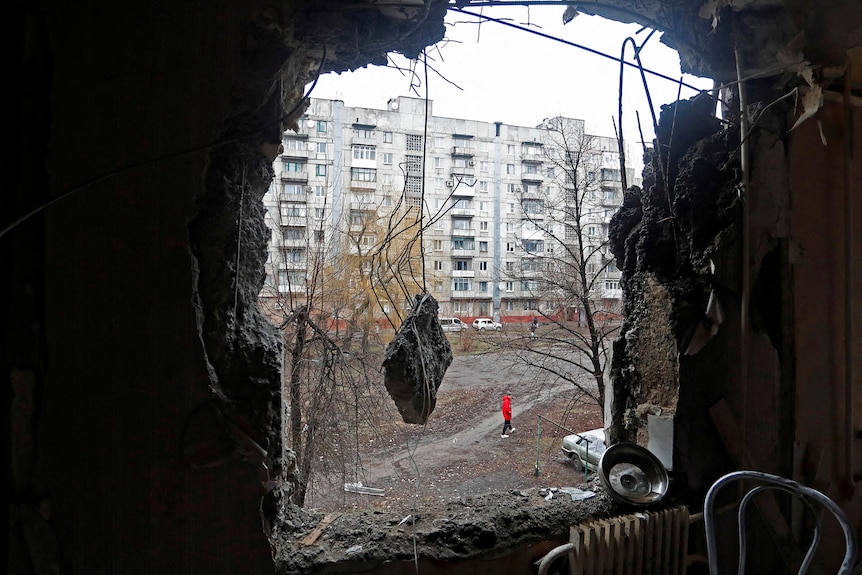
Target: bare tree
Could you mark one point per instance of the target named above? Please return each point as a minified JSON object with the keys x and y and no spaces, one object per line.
{"x":566,"y":261}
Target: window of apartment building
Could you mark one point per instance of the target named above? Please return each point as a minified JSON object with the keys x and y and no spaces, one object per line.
{"x":610,"y":175}
{"x":387,"y":180}
{"x":462,"y":204}
{"x":293,"y":255}
{"x":465,"y":265}
{"x":511,"y":188}
{"x":439,"y":142}
{"x":510,"y":169}
{"x":438,"y":265}
{"x":438,"y":286}
{"x":610,"y":195}
{"x":321,"y":148}
{"x":289,"y":210}
{"x":483,"y":145}
{"x":439,"y":183}
{"x":438,"y":163}
{"x":510,"y":226}
{"x":387,"y":157}
{"x":363,"y":132}
{"x":510,"y":305}
{"x":483,"y":247}
{"x":530,"y":227}
{"x":531,"y":149}
{"x":533,"y":206}
{"x":363,"y":174}
{"x":387,"y":201}
{"x":483,"y":226}
{"x":531,"y":265}
{"x":362,"y":197}
{"x":294,"y":189}
{"x":461,"y":163}
{"x":612,"y":285}
{"x":437,"y":245}
{"x":485,"y":166}
{"x":511,"y":208}
{"x":319,"y":212}
{"x":319,"y":191}
{"x":295,"y":144}
{"x":483,"y":287}
{"x":461,"y":223}
{"x":531,"y":188}
{"x":319,"y":235}
{"x":550,"y":172}
{"x":294,"y":166}
{"x":529,"y":285}
{"x":462,"y":284}
{"x":483,"y":266}
{"x":368,"y":240}
{"x":591,"y":268}
{"x":510,"y":286}
{"x":320,"y":170}
{"x":387,"y":137}
{"x":510,"y":266}
{"x":483,"y":206}
{"x":358,"y":217}
{"x":612,"y":267}
{"x":321,"y":126}
{"x":293,"y":233}
{"x":463,"y":244}
{"x":414,"y":142}
{"x":530,"y":168}
{"x":591,"y":230}
{"x":458,"y":306}
{"x":510,"y":149}
{"x":534,"y":246}
{"x":413,"y":163}
{"x":291,"y":278}
{"x":483,"y":187}
{"x":531,"y":304}
{"x":510,"y":246}
{"x":364,"y":152}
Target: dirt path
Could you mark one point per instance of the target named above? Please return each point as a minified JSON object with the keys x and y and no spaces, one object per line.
{"x":459,"y":452}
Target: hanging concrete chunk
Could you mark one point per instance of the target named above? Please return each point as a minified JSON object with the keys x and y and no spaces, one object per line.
{"x":416,"y":360}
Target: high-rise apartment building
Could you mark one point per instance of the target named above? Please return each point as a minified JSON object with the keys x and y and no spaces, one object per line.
{"x":504,"y":211}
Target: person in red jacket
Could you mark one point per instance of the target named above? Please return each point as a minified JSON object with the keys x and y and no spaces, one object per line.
{"x":507,"y":416}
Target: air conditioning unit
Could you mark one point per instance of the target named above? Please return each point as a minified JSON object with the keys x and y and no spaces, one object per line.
{"x":309,"y":189}
{"x":471,"y":163}
{"x":449,"y":183}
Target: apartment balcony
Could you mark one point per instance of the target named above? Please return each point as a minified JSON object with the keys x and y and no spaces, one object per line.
{"x":294,"y":243}
{"x":462,"y":172}
{"x":463,"y":253}
{"x":294,"y":176}
{"x":463,"y":294}
{"x":294,"y":154}
{"x":363,"y":206}
{"x":462,"y":151}
{"x":537,"y":177}
{"x":463,"y":273}
{"x":292,"y":288}
{"x":292,"y":198}
{"x":463,"y":190}
{"x":368,"y":141}
{"x":462,"y":212}
{"x":362,"y":185}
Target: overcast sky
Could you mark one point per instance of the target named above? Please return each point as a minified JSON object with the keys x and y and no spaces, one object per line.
{"x":518,"y":78}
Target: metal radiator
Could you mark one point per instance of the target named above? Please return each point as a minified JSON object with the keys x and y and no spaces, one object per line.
{"x":645,"y":543}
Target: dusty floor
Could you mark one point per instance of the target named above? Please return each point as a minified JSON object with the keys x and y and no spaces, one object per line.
{"x":454,"y":488}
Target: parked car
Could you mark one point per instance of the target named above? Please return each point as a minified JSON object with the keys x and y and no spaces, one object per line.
{"x":450,"y":324}
{"x":483,"y":323}
{"x":585,"y":446}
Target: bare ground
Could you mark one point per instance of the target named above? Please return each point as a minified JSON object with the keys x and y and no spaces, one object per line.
{"x":459,"y":452}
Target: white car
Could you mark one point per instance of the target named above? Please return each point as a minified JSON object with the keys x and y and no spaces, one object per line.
{"x":587,"y":446}
{"x":452,"y":324}
{"x":483,"y":323}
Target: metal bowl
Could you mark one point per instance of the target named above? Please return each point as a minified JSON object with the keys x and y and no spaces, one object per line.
{"x":632,"y":475}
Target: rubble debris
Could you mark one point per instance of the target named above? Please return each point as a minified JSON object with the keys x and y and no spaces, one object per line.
{"x":577,"y":494}
{"x":416,"y":360}
{"x":357,"y":487}
{"x":324,"y":523}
